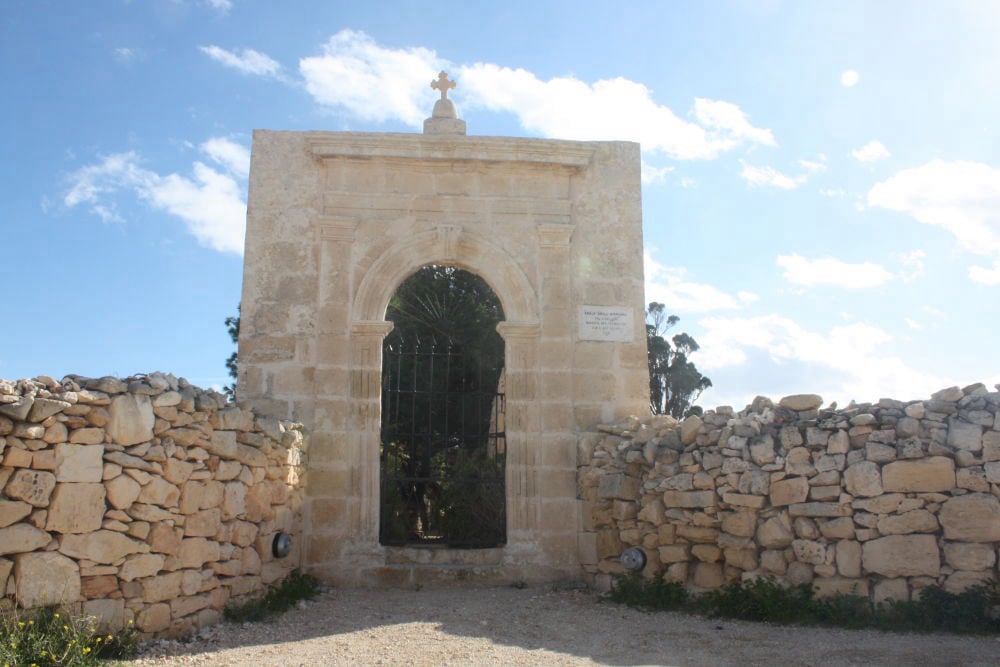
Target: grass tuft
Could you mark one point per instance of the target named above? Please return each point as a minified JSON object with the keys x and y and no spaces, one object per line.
{"x":974,"y":611}
{"x":277,"y":600}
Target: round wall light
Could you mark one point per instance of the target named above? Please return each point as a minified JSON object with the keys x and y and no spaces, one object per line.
{"x":282,"y":545}
{"x":633,"y":559}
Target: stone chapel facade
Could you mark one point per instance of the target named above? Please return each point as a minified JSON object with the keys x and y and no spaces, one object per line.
{"x":337,"y":220}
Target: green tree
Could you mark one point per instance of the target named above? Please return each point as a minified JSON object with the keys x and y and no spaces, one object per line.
{"x":233,"y":327}
{"x":674,"y":382}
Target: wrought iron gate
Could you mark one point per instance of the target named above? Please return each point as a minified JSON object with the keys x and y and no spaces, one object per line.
{"x":443,"y":447}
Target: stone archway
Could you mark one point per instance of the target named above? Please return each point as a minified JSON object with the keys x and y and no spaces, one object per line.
{"x":336,"y":221}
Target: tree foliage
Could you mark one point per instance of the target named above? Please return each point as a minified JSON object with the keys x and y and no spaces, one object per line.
{"x":674,"y":382}
{"x":233,"y":327}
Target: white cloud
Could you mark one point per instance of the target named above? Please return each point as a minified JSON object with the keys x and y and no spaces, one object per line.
{"x":757,"y":176}
{"x":568,"y":108}
{"x":849,"y":78}
{"x":800,"y":270}
{"x":231,"y":155}
{"x":372,"y":82}
{"x":247,"y":61}
{"x":870,"y":152}
{"x":831,"y":192}
{"x":912,"y":323}
{"x":848,"y":361}
{"x":210,"y":203}
{"x":687,"y":182}
{"x":668,"y":285}
{"x":933,"y":312}
{"x":126,"y":54}
{"x":960,"y":197}
{"x":651,"y":174}
{"x":220,"y":5}
{"x":746,"y":297}
{"x":814,"y":166}
{"x":986,"y":276}
{"x":377,"y":83}
{"x":913,"y":264}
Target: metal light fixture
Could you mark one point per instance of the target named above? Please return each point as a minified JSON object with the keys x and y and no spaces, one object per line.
{"x":282,"y":545}
{"x":633,"y":559}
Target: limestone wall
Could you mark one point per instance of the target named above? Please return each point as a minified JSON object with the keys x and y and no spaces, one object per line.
{"x":882,"y":499}
{"x":143,"y":499}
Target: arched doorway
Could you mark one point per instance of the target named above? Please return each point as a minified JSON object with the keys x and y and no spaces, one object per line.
{"x":443,"y":448}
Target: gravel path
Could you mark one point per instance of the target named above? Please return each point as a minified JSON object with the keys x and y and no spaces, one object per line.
{"x":539,"y":626}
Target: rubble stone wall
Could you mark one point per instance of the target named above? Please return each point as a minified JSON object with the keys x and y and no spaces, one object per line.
{"x":145,"y":499}
{"x":878,"y":499}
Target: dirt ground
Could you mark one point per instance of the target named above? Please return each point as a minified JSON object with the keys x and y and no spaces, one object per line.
{"x":539,"y":626}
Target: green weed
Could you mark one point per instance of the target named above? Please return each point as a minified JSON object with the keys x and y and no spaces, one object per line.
{"x":277,"y":600}
{"x":976,"y":610}
{"x":54,"y":636}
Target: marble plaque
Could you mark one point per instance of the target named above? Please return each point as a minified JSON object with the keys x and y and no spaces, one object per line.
{"x":608,"y":323}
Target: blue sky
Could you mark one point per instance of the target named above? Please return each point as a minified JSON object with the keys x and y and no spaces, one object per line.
{"x":821,"y":194}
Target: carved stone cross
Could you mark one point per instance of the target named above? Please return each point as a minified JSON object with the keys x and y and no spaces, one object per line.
{"x":443,"y":84}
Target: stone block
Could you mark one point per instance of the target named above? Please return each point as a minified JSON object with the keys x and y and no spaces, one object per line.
{"x":743,"y":524}
{"x":963,"y":435}
{"x":789,"y":491}
{"x":809,"y":551}
{"x":32,"y":486}
{"x":690,"y":428}
{"x":154,"y":618}
{"x":961,"y":581}
{"x":935,"y":473}
{"x":76,"y":508}
{"x":708,"y":575}
{"x":914,"y":521}
{"x":102,"y":546}
{"x":46,"y":578}
{"x":801,"y":402}
{"x":830,"y":586}
{"x":848,"y":558}
{"x":197,"y":551}
{"x":820,"y":509}
{"x":90,"y":435}
{"x":891,"y":589}
{"x":738,"y":500}
{"x":141,"y":566}
{"x":205,"y":523}
{"x":902,"y":556}
{"x":863,"y":479}
{"x":775,"y":533}
{"x":618,"y":485}
{"x":122,"y":491}
{"x":974,"y":517}
{"x":969,"y":556}
{"x":22,"y":537}
{"x":160,"y":492}
{"x":131,"y":420}
{"x":689,"y":499}
{"x":98,"y":586}
{"x":12,"y":511}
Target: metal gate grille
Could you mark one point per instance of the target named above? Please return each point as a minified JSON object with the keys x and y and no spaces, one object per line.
{"x":443,"y":447}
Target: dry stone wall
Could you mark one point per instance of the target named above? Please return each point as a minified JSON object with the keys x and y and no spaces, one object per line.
{"x":880,"y":499}
{"x":145,"y":499}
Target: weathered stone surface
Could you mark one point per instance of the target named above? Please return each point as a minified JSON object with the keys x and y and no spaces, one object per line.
{"x":122,"y":491}
{"x":891,"y":589}
{"x":87,"y":436}
{"x":963,"y":435}
{"x":160,"y":492}
{"x":22,"y":537}
{"x":974,"y":517}
{"x":674,"y":553}
{"x":819,"y":509}
{"x":196,"y":551}
{"x":708,"y":575}
{"x":129,"y":462}
{"x":32,"y":486}
{"x":960,"y":581}
{"x":849,"y":558}
{"x":742,"y":500}
{"x":969,"y":556}
{"x":131,"y":419}
{"x":829,"y":586}
{"x":102,"y":546}
{"x":154,"y":618}
{"x":46,"y":578}
{"x":689,"y":499}
{"x":615,"y":485}
{"x":935,"y":473}
{"x":801,"y":402}
{"x":141,"y":565}
{"x":165,"y":539}
{"x":12,"y":511}
{"x":79,"y":463}
{"x":915,"y":521}
{"x":689,"y":429}
{"x":789,"y":491}
{"x":863,"y":479}
{"x":902,"y":556}
{"x":76,"y":508}
{"x":809,"y":551}
{"x":205,"y":523}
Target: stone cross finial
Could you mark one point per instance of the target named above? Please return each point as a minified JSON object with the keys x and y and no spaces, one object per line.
{"x":443,"y":84}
